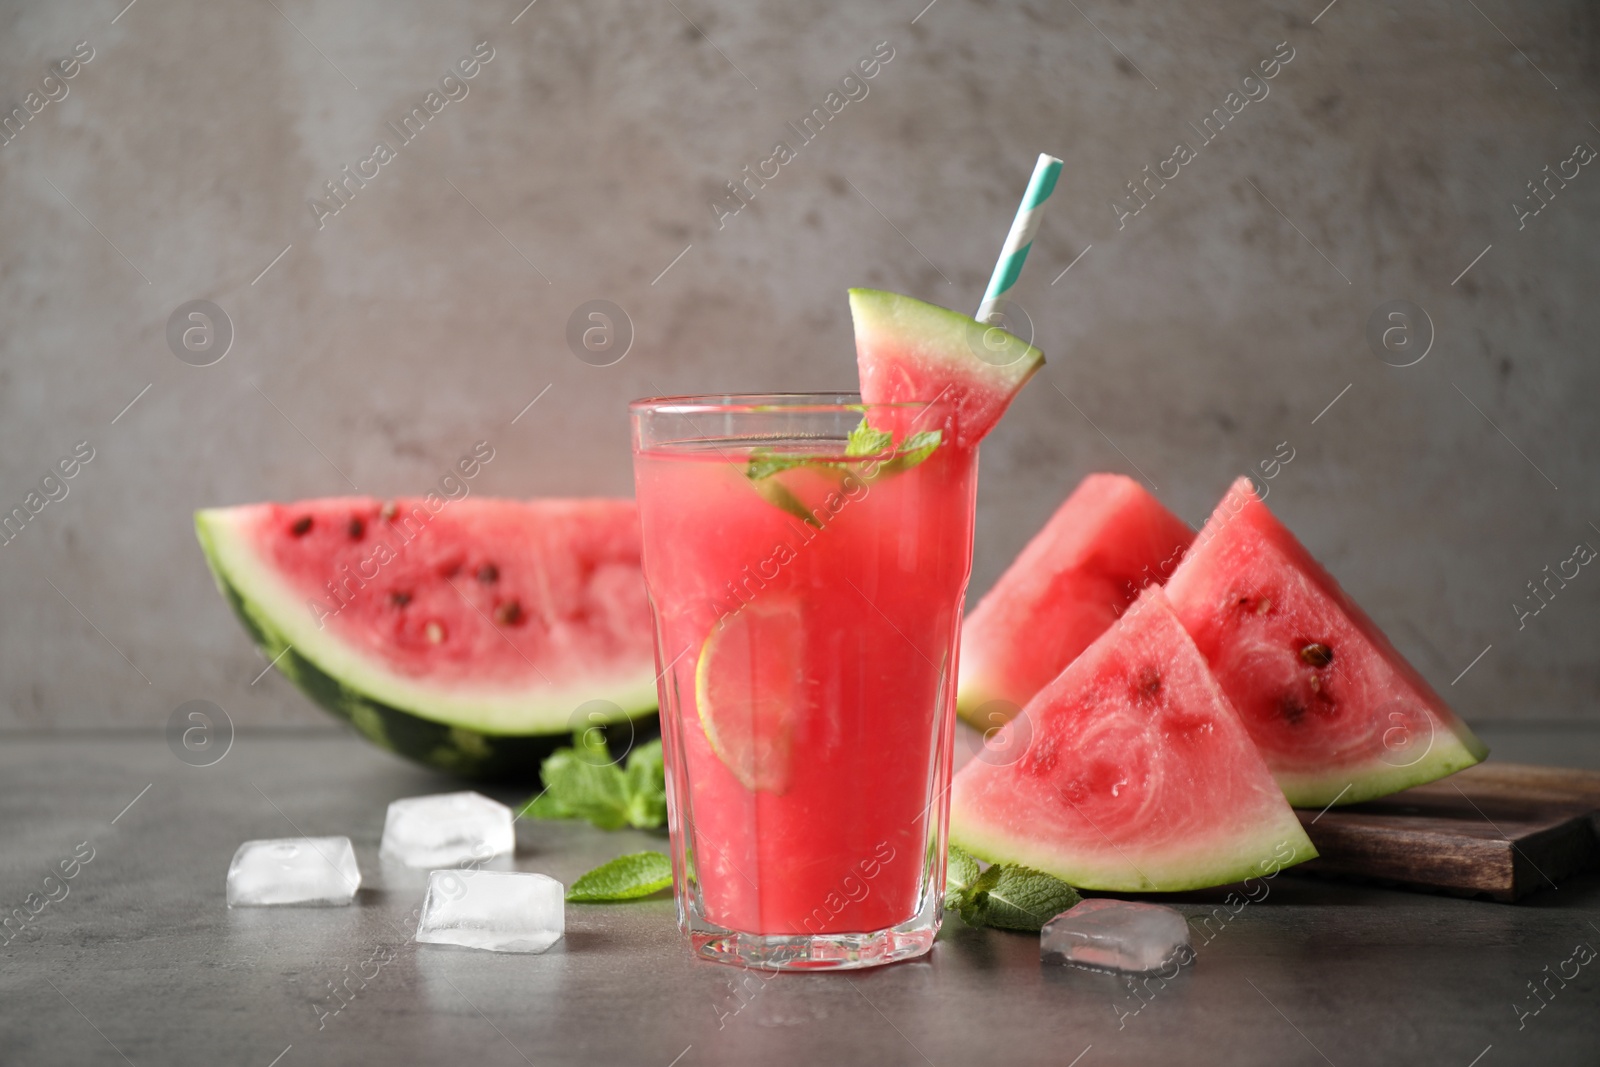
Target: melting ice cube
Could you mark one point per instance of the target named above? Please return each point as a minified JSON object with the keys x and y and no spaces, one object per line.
{"x":293,"y":870}
{"x":446,"y":829}
{"x":1117,"y":935}
{"x":502,"y":911}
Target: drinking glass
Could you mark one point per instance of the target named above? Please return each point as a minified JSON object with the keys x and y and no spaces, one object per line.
{"x":807,"y":558}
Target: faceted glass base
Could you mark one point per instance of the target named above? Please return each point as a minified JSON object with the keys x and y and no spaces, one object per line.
{"x":818,"y":952}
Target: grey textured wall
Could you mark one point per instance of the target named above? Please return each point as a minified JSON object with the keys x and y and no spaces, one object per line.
{"x":1186,"y":341}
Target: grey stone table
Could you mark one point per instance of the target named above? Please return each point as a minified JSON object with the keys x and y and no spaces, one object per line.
{"x":140,"y":962}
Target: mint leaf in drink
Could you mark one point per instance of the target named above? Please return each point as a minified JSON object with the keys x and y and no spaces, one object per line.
{"x":624,"y":878}
{"x":1013,"y":897}
{"x":764,"y":463}
{"x":778,"y":494}
{"x":865,"y":441}
{"x":581,"y":782}
{"x":913,"y":450}
{"x":873,"y":447}
{"x":960,"y":873}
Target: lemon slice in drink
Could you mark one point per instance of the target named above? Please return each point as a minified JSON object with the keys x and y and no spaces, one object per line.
{"x":749,"y":690}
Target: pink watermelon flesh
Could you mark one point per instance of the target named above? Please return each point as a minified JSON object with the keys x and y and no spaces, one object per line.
{"x":1339,"y":715}
{"x":909,"y":351}
{"x":1106,"y":542}
{"x":501,"y":617}
{"x":1129,"y":772}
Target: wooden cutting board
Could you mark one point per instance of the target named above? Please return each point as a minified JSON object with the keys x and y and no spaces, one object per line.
{"x":1500,"y":830}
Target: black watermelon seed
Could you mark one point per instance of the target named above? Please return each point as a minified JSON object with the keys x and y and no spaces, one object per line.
{"x":399,"y":598}
{"x":488,"y":573}
{"x":508,"y":614}
{"x":1317,"y":654}
{"x":1292,"y":709}
{"x":357,"y":528}
{"x":302,"y":526}
{"x":1149,"y":681}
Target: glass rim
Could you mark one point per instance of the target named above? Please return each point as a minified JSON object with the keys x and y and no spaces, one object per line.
{"x":762,"y":403}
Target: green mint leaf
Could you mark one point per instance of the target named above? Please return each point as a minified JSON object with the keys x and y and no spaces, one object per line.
{"x":912,"y":451}
{"x":865,"y":441}
{"x":961,"y":872}
{"x":581,"y":782}
{"x":1012,"y":897}
{"x":624,"y":878}
{"x":546,"y":806}
{"x":646,"y":782}
{"x":778,"y":495}
{"x":764,"y":464}
{"x":591,"y":743}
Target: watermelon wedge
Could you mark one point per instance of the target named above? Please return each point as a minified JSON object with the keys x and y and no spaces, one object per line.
{"x":908,"y":350}
{"x":468,"y":635}
{"x":1104,"y":544}
{"x":1129,"y":772}
{"x":1337,"y":713}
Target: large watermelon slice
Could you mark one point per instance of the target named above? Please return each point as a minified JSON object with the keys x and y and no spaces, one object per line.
{"x":1339,"y":715}
{"x":1129,"y":772}
{"x":1106,"y":542}
{"x":908,"y":350}
{"x":468,"y":635}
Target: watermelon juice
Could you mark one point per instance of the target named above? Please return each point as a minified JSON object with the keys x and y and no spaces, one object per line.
{"x":807,"y":597}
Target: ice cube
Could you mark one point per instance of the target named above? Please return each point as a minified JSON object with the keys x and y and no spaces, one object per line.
{"x":1117,"y":935}
{"x":502,"y":911}
{"x":446,"y":829}
{"x":293,"y":870}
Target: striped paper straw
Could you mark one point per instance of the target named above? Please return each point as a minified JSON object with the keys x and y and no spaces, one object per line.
{"x":1020,"y":239}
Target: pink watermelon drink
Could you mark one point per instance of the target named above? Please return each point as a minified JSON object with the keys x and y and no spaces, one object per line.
{"x":807,"y":604}
{"x":807,"y":559}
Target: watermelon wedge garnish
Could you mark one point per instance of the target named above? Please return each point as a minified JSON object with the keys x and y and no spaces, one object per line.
{"x":468,"y":635}
{"x":1337,"y":712}
{"x":1104,"y":544}
{"x":911,"y":351}
{"x":1129,"y":772}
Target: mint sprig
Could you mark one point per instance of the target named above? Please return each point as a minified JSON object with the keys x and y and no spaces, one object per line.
{"x":864,"y":440}
{"x":960,"y":873}
{"x":913,"y":450}
{"x":865,"y":443}
{"x":629,"y":877}
{"x":1007,"y":896}
{"x":582,"y":782}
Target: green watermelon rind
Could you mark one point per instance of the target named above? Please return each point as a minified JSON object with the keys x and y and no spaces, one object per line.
{"x":439,"y":738}
{"x":1449,"y":752}
{"x":943,"y":336}
{"x":974,"y":691}
{"x":1259,"y":855}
